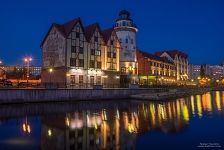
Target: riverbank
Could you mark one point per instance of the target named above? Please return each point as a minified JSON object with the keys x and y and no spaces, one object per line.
{"x":13,"y":96}
{"x":10,"y":96}
{"x":170,"y":94}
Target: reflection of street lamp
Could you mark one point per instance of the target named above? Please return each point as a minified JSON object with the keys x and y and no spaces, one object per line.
{"x":27,"y":60}
{"x":26,"y":127}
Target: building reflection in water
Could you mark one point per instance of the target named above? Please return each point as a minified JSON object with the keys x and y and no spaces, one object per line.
{"x":119,"y":128}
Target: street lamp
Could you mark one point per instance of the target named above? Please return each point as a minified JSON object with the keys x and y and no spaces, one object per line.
{"x":27,"y":60}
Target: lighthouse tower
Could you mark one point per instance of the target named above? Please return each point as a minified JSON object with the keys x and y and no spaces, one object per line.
{"x":126,"y":31}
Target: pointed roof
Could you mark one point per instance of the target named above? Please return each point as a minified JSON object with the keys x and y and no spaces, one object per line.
{"x":90,"y":29}
{"x":69,"y":25}
{"x":107,"y":34}
{"x":154,"y":57}
{"x":64,"y":29}
{"x":172,"y":53}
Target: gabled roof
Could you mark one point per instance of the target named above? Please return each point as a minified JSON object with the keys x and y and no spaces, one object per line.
{"x":90,"y":29}
{"x":64,"y":29}
{"x":154,"y":57}
{"x":69,"y":26}
{"x":172,"y":53}
{"x":107,"y":34}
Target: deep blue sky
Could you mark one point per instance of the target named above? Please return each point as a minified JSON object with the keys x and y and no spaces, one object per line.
{"x":193,"y":26}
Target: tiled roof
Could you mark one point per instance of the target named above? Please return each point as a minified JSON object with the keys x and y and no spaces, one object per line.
{"x":172,"y":53}
{"x":154,"y":57}
{"x":107,"y":34}
{"x":69,"y":25}
{"x":66,"y":28}
{"x":90,"y":29}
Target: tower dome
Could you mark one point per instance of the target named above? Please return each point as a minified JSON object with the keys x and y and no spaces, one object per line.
{"x":124,"y":21}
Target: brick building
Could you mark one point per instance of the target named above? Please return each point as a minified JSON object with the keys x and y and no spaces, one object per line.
{"x":155,"y":70}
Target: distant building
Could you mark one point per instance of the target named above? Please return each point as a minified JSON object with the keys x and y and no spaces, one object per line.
{"x":153,"y":69}
{"x":213,"y":71}
{"x":180,"y":60}
{"x":34,"y":70}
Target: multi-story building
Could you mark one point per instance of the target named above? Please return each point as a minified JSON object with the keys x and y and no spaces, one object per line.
{"x":180,"y":60}
{"x":212,"y":71}
{"x":155,"y":70}
{"x":34,"y":70}
{"x":80,"y":56}
{"x":126,"y":31}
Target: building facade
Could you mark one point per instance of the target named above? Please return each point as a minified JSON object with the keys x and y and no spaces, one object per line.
{"x":180,"y":60}
{"x":80,"y":56}
{"x":154,"y":70}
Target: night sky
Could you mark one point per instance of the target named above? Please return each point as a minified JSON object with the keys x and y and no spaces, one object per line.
{"x":193,"y":26}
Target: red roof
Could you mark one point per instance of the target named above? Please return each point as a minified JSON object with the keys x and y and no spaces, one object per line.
{"x":154,"y":57}
{"x":107,"y":34}
{"x":90,"y":29}
{"x":66,"y":28}
{"x":172,"y":53}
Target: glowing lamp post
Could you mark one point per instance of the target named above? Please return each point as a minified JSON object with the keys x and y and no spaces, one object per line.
{"x":27,"y":60}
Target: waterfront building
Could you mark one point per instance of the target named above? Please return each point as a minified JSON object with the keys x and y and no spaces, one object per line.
{"x":155,"y":70}
{"x":80,"y":56}
{"x":180,"y":60}
{"x":126,"y":31}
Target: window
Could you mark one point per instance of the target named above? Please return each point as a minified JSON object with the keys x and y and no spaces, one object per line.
{"x":123,"y":69}
{"x":91,"y":80}
{"x":81,"y":62}
{"x":109,"y":54}
{"x":132,"y":41}
{"x":80,"y":79}
{"x":120,"y":40}
{"x":114,"y":55}
{"x":77,"y":34}
{"x":72,"y":78}
{"x":80,"y":50}
{"x":73,"y":49}
{"x":98,"y":80}
{"x":97,"y":53}
{"x":111,"y":42}
{"x":72,"y":62}
{"x":99,"y":65}
{"x":92,"y":64}
{"x":92,"y":51}
{"x":126,"y":40}
{"x":96,"y":39}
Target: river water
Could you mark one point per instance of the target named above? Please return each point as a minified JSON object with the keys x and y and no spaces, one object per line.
{"x":195,"y":122}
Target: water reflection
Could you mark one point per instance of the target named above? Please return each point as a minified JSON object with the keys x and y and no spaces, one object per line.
{"x":114,"y":125}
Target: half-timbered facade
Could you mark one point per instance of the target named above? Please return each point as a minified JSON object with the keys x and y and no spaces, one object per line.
{"x":78,"y":56}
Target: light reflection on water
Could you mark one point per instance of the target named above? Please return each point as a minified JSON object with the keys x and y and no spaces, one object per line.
{"x":112,"y":124}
